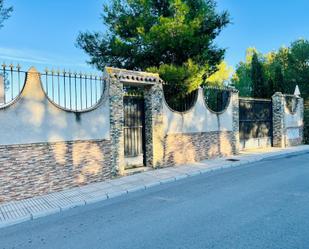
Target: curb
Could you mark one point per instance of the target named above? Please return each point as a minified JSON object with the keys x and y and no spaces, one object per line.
{"x":38,"y":207}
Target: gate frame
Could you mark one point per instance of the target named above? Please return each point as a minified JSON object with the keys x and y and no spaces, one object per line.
{"x":270,"y":119}
{"x":153,"y":101}
{"x":142,"y":138}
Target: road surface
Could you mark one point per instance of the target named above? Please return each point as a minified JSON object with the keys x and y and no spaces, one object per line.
{"x":262,"y":205}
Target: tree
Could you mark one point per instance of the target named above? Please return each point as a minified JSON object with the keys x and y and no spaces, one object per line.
{"x":220,"y":77}
{"x":4,"y":13}
{"x":298,"y":73}
{"x":278,"y":82}
{"x":257,"y":77}
{"x":277,"y":71}
{"x":241,"y":80}
{"x":172,"y":37}
{"x":242,"y":77}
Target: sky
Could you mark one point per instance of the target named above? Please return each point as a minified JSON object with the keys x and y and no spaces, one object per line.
{"x":42,"y":33}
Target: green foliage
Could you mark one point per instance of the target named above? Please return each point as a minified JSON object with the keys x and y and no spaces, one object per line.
{"x":189,"y":73}
{"x":172,"y":37}
{"x":242,"y":77}
{"x":257,"y":77}
{"x":217,"y":99}
{"x":278,"y":71}
{"x":221,"y":77}
{"x":4,"y":13}
{"x":242,"y":80}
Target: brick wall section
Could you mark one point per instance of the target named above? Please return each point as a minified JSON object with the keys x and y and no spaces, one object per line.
{"x":195,"y":147}
{"x":36,"y":169}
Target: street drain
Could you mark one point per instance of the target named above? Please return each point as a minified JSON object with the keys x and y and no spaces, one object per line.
{"x":232,"y":160}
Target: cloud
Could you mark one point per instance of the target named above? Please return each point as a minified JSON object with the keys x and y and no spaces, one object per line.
{"x":22,"y":55}
{"x":29,"y":56}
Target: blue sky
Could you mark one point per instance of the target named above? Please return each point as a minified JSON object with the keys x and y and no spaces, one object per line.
{"x":43,"y":32}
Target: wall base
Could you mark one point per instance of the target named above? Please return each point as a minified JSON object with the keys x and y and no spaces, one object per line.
{"x":195,"y":147}
{"x":35,"y":169}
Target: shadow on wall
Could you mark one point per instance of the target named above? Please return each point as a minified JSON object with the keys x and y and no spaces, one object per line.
{"x":199,"y":133}
{"x":199,"y":118}
{"x":195,"y":147}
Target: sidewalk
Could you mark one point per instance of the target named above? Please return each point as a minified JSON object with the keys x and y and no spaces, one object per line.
{"x":20,"y":211}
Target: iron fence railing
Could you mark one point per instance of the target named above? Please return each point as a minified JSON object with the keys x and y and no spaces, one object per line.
{"x":217,"y":99}
{"x":179,"y":102}
{"x":68,"y":90}
{"x":255,"y":118}
{"x":12,"y":80}
{"x":73,"y":91}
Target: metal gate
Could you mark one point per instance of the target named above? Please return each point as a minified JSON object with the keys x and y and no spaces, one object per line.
{"x":255,"y":123}
{"x":134,"y":132}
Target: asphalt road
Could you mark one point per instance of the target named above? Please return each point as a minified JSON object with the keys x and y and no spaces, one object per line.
{"x":262,"y":205}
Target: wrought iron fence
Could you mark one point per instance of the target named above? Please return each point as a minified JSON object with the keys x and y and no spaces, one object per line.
{"x":179,"y":102}
{"x":12,"y":80}
{"x":73,"y":91}
{"x":255,"y":118}
{"x":217,"y":99}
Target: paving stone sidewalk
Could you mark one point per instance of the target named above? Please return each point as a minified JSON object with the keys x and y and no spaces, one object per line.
{"x":20,"y":211}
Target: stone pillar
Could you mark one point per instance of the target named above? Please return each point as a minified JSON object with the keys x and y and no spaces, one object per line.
{"x":235,"y":136}
{"x":115,"y":93}
{"x":278,"y":120}
{"x":2,"y":90}
{"x":154,"y":125}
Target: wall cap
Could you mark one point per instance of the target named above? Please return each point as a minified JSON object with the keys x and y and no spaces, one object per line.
{"x":133,"y":77}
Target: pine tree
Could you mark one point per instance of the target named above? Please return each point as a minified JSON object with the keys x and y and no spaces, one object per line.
{"x":279,"y":80}
{"x":257,"y":77}
{"x":174,"y":38}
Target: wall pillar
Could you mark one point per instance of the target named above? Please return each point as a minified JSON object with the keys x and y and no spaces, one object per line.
{"x":153,"y":96}
{"x":235,"y":136}
{"x":115,"y":93}
{"x":278,"y":120}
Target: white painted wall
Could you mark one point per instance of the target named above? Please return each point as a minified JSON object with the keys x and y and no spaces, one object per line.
{"x":34,"y":119}
{"x":293,"y":120}
{"x":198,"y":119}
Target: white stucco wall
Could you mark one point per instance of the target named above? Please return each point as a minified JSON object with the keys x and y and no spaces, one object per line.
{"x":34,"y":119}
{"x":198,"y":119}
{"x":293,"y":119}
